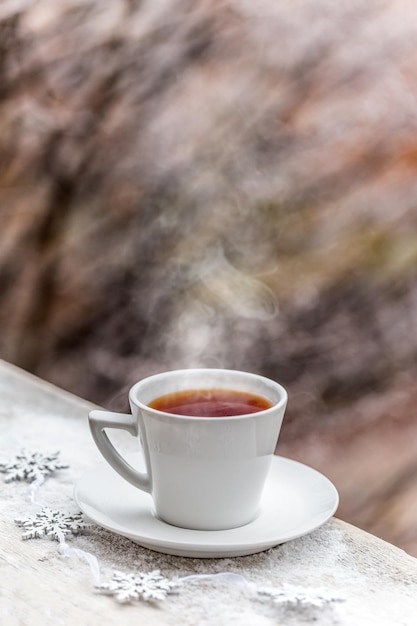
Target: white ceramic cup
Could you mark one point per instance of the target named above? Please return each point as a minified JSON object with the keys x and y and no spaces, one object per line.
{"x":203,"y":473}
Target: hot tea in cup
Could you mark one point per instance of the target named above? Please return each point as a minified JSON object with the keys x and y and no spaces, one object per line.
{"x":208,"y":437}
{"x":210,"y":403}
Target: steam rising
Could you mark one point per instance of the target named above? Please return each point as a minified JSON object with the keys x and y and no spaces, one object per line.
{"x":219,"y":284}
{"x":216,"y":296}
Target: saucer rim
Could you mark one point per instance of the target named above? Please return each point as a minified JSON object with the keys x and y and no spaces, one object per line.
{"x":188,"y":545}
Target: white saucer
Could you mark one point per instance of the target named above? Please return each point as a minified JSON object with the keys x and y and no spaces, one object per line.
{"x":296,"y":501}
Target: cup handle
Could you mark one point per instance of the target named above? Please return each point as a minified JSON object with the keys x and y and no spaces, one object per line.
{"x":99,"y":421}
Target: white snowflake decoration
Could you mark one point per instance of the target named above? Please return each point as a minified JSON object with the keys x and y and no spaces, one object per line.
{"x":290,"y":595}
{"x":128,"y":587}
{"x":31,"y":466}
{"x":53,"y":524}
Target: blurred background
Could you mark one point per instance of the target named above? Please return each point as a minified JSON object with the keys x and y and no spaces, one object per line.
{"x":222,"y":183}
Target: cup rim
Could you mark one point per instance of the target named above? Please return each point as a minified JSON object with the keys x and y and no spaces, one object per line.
{"x":283,"y":395}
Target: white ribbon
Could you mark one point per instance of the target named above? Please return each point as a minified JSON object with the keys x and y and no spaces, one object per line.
{"x":89,"y":558}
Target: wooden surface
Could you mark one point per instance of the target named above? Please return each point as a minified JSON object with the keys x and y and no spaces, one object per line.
{"x":373,"y":581}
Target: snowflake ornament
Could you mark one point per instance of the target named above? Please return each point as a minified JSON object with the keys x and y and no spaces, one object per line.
{"x":302,"y":597}
{"x":128,"y":587}
{"x":53,"y":524}
{"x":31,"y":466}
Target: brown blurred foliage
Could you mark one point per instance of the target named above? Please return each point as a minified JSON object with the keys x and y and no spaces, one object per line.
{"x":220,"y":183}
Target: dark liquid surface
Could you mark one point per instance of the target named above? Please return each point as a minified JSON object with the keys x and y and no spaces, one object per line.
{"x":210,"y":403}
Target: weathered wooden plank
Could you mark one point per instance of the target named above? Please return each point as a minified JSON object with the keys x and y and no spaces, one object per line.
{"x":375,"y":580}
